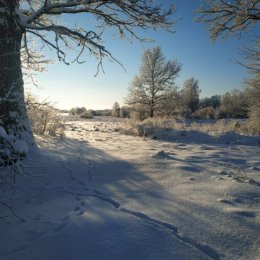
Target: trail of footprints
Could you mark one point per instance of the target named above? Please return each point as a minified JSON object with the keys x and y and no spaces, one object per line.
{"x":205,"y":249}
{"x":164,"y":226}
{"x":80,"y":209}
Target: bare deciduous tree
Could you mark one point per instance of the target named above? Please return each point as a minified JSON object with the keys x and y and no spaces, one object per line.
{"x":152,"y":87}
{"x":116,"y":110}
{"x":190,"y":94}
{"x":225,"y":17}
{"x":45,"y":21}
{"x":253,"y":86}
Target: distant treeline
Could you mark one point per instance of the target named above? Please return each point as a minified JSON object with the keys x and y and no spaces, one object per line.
{"x":82,"y":112}
{"x":183,"y":104}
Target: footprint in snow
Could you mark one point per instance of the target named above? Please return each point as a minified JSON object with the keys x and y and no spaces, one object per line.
{"x":242,"y":213}
{"x":226,"y":201}
{"x":81,"y":213}
{"x":81,"y":182}
{"x":162,"y":155}
{"x":33,"y":235}
{"x":21,"y":248}
{"x":65,"y":218}
{"x":248,"y":214}
{"x":205,"y":147}
{"x":77,"y":208}
{"x":189,"y":168}
{"x":59,"y":227}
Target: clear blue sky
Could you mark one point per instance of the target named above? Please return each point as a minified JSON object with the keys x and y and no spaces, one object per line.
{"x":212,"y":64}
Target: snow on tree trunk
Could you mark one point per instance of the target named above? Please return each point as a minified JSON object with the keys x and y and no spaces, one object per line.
{"x":13,"y":115}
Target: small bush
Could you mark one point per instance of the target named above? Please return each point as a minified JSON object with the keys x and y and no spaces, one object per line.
{"x":138,"y":115}
{"x":44,"y":117}
{"x":77,"y":111}
{"x":204,"y":113}
{"x":254,"y":119}
{"x":12,"y":150}
{"x":86,"y":115}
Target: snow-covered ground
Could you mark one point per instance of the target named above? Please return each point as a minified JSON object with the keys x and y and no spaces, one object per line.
{"x":99,"y":194}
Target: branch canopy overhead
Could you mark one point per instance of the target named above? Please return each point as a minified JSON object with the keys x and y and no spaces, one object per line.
{"x":49,"y":21}
{"x":227,"y":17}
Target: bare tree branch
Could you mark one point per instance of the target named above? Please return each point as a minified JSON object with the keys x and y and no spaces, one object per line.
{"x":124,"y":16}
{"x":224,"y":17}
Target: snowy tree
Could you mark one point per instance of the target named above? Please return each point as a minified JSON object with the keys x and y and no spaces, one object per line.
{"x":213,"y":101}
{"x":253,"y":86}
{"x":190,"y":94}
{"x":233,"y":18}
{"x":116,"y":110}
{"x":151,"y":88}
{"x":124,"y":112}
{"x":76,"y":111}
{"x":171,"y":105}
{"x":234,"y":104}
{"x":225,"y":17}
{"x":45,"y":22}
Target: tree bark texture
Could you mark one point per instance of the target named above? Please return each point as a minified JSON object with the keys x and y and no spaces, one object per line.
{"x":13,"y":115}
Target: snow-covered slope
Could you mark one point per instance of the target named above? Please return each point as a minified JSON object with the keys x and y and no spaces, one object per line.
{"x":99,"y":194}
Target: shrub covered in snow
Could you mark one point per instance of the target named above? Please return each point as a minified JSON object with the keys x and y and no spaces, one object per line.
{"x":44,"y":118}
{"x":86,"y":115}
{"x":11,"y":149}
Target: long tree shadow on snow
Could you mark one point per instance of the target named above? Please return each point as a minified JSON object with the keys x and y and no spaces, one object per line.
{"x":115,"y":194}
{"x":120,"y":184}
{"x":199,"y":137}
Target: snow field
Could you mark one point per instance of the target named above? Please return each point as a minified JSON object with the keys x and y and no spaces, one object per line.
{"x":101,"y":194}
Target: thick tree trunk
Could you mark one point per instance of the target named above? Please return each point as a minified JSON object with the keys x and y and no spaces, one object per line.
{"x":13,"y":115}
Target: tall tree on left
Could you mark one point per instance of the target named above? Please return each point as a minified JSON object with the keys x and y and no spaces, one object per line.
{"x":13,"y":116}
{"x":48,"y":21}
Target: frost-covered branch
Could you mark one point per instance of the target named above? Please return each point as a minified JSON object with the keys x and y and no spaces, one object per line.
{"x":225,"y":18}
{"x":45,"y":20}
